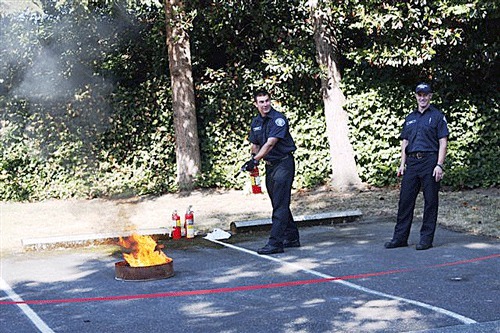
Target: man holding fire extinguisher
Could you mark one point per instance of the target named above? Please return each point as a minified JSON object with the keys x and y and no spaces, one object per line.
{"x":272,"y":143}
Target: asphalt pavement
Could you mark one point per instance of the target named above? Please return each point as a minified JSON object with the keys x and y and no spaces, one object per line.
{"x":341,"y":279}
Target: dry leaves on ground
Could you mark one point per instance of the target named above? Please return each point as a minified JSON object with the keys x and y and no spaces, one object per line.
{"x":475,"y":211}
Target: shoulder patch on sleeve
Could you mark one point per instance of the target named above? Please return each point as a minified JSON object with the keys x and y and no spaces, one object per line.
{"x":280,"y":122}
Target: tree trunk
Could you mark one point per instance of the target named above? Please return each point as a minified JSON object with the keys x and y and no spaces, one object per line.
{"x":345,"y":175}
{"x":183,"y":103}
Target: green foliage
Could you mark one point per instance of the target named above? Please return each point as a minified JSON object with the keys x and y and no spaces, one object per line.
{"x":376,"y":113}
{"x":41,"y":157}
{"x":85,"y":93}
{"x":473,"y":159}
{"x":138,"y":149}
{"x":223,"y":112}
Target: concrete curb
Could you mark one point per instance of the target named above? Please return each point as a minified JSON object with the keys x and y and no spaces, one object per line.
{"x":302,"y":221}
{"x":48,"y":243}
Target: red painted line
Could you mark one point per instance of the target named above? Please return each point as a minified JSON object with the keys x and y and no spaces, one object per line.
{"x":242,"y":288}
{"x":467,"y":261}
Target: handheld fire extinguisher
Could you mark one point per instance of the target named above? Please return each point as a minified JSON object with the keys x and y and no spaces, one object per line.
{"x":176,"y":225}
{"x":255,"y":180}
{"x":189,"y":223}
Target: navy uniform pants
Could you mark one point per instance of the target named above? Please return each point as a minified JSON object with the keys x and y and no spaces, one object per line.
{"x":279,"y":180}
{"x":418,"y":175}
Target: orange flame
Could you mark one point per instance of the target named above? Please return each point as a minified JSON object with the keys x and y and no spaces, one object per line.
{"x":143,"y":251}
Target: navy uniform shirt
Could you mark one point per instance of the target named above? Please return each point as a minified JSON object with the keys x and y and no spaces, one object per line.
{"x":274,"y":125}
{"x":423,"y":130}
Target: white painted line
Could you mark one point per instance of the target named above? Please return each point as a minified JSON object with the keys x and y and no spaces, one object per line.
{"x":442,"y":311}
{"x":35,"y":319}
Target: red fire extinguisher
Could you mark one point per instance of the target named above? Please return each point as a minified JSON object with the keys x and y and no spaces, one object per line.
{"x":255,"y":180}
{"x":176,"y":225}
{"x":189,"y":223}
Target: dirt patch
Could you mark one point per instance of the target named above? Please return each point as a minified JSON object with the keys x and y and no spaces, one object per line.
{"x":475,"y":211}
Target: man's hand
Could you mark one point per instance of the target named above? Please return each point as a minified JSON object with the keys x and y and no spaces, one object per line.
{"x":438,"y":173}
{"x":401,"y":171}
{"x":250,"y":165}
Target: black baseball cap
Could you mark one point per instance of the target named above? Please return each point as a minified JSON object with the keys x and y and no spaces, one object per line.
{"x":423,"y":88}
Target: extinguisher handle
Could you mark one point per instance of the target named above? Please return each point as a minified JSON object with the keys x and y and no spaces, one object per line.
{"x":250,"y":165}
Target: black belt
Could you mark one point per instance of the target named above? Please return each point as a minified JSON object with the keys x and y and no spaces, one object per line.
{"x":275,"y":162}
{"x":421,"y":154}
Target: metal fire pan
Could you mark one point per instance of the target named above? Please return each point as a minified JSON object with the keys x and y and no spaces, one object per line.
{"x":124,"y":272}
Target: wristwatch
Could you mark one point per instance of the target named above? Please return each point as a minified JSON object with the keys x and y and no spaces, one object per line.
{"x":441,"y":166}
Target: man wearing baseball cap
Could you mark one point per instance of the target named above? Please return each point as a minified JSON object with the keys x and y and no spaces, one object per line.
{"x":424,"y":140}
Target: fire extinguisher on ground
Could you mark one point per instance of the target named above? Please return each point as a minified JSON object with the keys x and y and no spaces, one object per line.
{"x":189,"y":223}
{"x":255,"y":180}
{"x":176,"y":226}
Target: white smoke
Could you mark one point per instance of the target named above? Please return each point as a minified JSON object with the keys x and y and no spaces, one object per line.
{"x":44,"y":80}
{"x":54,"y":72}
